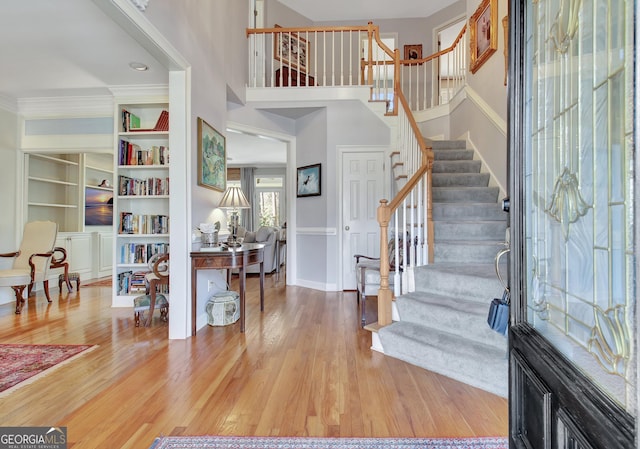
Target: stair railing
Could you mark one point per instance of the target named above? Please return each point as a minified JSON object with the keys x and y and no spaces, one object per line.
{"x":435,"y":79}
{"x":411,"y":211}
{"x":313,"y":56}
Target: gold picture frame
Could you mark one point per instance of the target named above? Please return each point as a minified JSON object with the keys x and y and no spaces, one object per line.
{"x":291,"y":50}
{"x":212,"y":157}
{"x":483,"y":33}
{"x":412,"y":51}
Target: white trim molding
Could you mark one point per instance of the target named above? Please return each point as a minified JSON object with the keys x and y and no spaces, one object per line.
{"x":316,"y":231}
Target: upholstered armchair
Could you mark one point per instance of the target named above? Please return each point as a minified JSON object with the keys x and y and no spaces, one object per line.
{"x":266,"y":235}
{"x":31,"y":262}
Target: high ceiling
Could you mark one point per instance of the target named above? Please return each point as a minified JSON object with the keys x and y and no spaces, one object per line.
{"x":70,"y":47}
{"x":340,"y":10}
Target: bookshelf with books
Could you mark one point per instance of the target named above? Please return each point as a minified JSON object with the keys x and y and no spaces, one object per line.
{"x":141,"y":214}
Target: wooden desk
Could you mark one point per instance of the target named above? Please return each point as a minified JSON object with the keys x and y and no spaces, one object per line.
{"x":220,"y":259}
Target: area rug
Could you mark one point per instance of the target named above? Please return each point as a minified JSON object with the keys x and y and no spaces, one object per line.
{"x":226,"y":442}
{"x":22,"y":364}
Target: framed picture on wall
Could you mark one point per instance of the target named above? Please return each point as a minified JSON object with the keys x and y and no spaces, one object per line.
{"x":292,"y":50}
{"x":212,"y":157}
{"x":483,"y":36}
{"x":413,"y":51}
{"x":309,"y":181}
{"x":98,"y":207}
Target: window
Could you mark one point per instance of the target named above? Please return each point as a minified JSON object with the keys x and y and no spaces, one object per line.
{"x":269,"y":191}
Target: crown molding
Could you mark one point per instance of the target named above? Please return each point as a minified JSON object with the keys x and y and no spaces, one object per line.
{"x":97,"y":105}
{"x":154,"y":93}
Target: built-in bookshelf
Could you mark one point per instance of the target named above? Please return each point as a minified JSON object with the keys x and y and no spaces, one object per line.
{"x":53,"y":189}
{"x":141,"y":215}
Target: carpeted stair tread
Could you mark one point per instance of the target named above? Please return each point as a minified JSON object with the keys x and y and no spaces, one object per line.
{"x":468,"y":212}
{"x":457,"y":166}
{"x":447,"y":144}
{"x":460,"y":179}
{"x":465,"y":251}
{"x":453,"y":155}
{"x":471,"y":281}
{"x":450,"y":314}
{"x":465,"y":194}
{"x":473,"y":363}
{"x":469,"y":230}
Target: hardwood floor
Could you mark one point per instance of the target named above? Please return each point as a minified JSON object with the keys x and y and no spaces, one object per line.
{"x":303,"y":367}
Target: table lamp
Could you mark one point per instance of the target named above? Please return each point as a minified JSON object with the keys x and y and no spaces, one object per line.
{"x":234,"y":199}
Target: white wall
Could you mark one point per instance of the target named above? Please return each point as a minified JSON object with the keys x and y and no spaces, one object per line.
{"x":8,"y":196}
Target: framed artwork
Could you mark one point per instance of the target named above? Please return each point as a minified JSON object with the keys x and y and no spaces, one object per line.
{"x":413,"y":51}
{"x":309,"y":181}
{"x":98,"y":206}
{"x":483,"y":33}
{"x":292,"y":50}
{"x":212,"y":157}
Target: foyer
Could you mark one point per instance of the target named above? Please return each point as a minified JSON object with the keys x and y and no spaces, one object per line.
{"x":314,"y":376}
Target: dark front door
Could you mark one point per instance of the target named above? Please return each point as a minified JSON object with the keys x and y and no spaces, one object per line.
{"x":573,"y":214}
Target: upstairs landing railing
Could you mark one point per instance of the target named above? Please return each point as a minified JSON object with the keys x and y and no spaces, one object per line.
{"x":355,"y":56}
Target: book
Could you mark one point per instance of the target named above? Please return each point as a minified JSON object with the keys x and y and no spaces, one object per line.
{"x":162,"y":124}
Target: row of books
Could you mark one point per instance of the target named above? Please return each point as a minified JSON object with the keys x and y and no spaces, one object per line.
{"x":131,"y":223}
{"x":142,"y":187}
{"x":134,"y":283}
{"x":131,"y":122}
{"x":132,"y":154}
{"x":141,"y":252}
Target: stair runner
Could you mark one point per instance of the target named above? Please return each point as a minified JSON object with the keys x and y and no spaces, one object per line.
{"x":443,"y":323}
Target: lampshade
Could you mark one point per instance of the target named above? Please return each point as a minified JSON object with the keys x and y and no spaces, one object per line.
{"x":233,"y":198}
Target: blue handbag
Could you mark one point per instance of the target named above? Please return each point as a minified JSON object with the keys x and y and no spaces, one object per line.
{"x":498,"y":318}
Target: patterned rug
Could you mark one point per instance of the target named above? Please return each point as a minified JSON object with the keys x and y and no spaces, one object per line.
{"x":218,"y":442}
{"x":23,"y":364}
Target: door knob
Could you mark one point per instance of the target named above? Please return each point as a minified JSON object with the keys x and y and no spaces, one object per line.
{"x":346,"y":228}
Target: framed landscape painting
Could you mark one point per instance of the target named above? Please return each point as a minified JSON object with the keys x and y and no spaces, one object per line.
{"x":212,"y":157}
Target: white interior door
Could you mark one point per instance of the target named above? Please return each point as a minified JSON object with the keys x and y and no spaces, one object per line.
{"x":362,"y":190}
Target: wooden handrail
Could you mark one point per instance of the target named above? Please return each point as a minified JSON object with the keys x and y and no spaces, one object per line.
{"x":282,"y":30}
{"x":386,"y":209}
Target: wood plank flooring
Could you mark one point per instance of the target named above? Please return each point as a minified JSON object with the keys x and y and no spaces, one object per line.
{"x":302,"y":368}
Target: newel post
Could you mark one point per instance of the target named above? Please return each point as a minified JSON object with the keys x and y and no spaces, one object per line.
{"x":370,"y":53}
{"x":384,"y":294}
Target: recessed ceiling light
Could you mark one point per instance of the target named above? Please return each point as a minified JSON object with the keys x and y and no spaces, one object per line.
{"x":140,"y":67}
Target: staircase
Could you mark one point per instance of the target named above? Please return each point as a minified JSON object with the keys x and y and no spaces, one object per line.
{"x":442,"y":325}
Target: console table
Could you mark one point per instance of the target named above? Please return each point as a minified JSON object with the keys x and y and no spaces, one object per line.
{"x":220,"y":258}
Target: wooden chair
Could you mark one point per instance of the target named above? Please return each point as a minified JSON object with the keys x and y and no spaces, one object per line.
{"x":32,"y":261}
{"x":159,"y":275}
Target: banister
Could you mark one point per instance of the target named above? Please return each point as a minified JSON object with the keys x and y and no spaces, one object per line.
{"x":281,"y":30}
